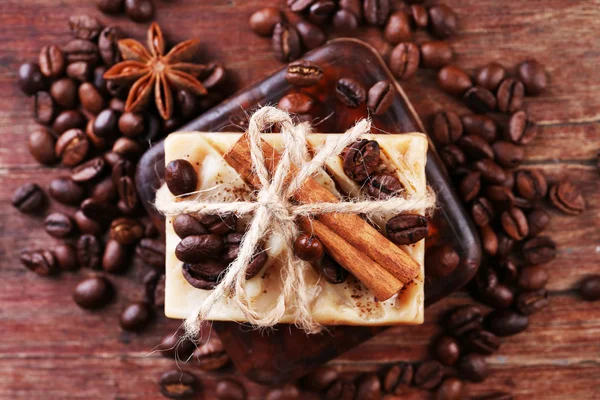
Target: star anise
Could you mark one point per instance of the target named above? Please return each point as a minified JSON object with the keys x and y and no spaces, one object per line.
{"x":156,"y":73}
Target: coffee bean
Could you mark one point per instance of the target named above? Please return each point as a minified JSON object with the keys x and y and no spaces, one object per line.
{"x":110,"y":6}
{"x":81,"y":50}
{"x":531,"y":184}
{"x":320,"y":379}
{"x":446,"y":350}
{"x":211,"y":355}
{"x":229,"y":389}
{"x":91,"y":99}
{"x":311,"y":36}
{"x":368,"y":387}
{"x":495,"y":295}
{"x":429,"y":375}
{"x":383,"y":186}
{"x":84,"y":27}
{"x":419,"y":16}
{"x":376,"y":11}
{"x":106,"y":123}
{"x":296,"y":103}
{"x":341,"y":390}
{"x":482,"y":211}
{"x":589,"y":290}
{"x":447,"y":127}
{"x":107,"y":45}
{"x":131,"y":124}
{"x":380,"y":97}
{"x":96,"y":141}
{"x":473,"y":367}
{"x":533,"y":76}
{"x":539,"y":250}
{"x":361,"y":159}
{"x":450,"y":389}
{"x":210,"y":270}
{"x":28,"y":198}
{"x":505,"y":245}
{"x":181,"y":177}
{"x":58,"y":225}
{"x":507,"y":154}
{"x":303,"y":73}
{"x":464,"y":319}
{"x":299,"y":5}
{"x":510,"y":95}
{"x":404,"y":60}
{"x":345,"y":21}
{"x":41,"y":145}
{"x":308,"y":248}
{"x":80,"y":71}
{"x":514,"y":223}
{"x":470,"y":186}
{"x":506,"y":322}
{"x":538,"y":220}
{"x":406,"y":228}
{"x":51,"y":61}
{"x":30,"y":78}
{"x":533,"y":277}
{"x":178,"y":384}
{"x":67,"y":120}
{"x":490,"y":171}
{"x":453,"y":157}
{"x":135,"y":316}
{"x":139,"y":10}
{"x":482,"y":342}
{"x":65,"y":191}
{"x":442,"y":21}
{"x":186,"y":225}
{"x":88,"y":171}
{"x":354,"y":6}
{"x":521,"y":130}
{"x":490,"y":76}
{"x":441,"y":261}
{"x":397,"y":28}
{"x":476,"y":147}
{"x":188,"y":103}
{"x":489,"y":240}
{"x":89,"y":251}
{"x":66,"y":257}
{"x":87,"y":225}
{"x":152,"y":252}
{"x":333,"y":272}
{"x":98,"y":211}
{"x":128,"y":148}
{"x":480,"y":125}
{"x":531,"y":302}
{"x":350,"y":92}
{"x":286,"y":42}
{"x":454,"y":80}
{"x":44,"y":108}
{"x":263,"y":21}
{"x":42,"y":262}
{"x":320,"y":11}
{"x":398,"y":377}
{"x":126,"y":231}
{"x":507,"y":269}
{"x":116,"y":257}
{"x":176,"y":346}
{"x":509,"y":180}
{"x":93,"y":293}
{"x":566,"y":197}
{"x":480,"y":100}
{"x":436,"y":54}
{"x":194,"y":249}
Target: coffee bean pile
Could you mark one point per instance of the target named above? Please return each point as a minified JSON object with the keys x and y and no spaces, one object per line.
{"x":137,"y":10}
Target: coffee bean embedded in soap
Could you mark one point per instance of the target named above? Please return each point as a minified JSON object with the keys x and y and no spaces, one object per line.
{"x":407,"y":228}
{"x":383,"y":186}
{"x":333,"y":272}
{"x":181,"y":177}
{"x":361,"y":159}
{"x":186,"y":225}
{"x":194,"y":249}
{"x":308,"y":248}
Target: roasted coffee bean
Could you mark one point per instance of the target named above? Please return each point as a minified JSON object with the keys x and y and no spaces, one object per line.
{"x":482,"y":342}
{"x":93,"y":293}
{"x":128,"y":148}
{"x":521,"y":130}
{"x":476,"y":147}
{"x":506,"y":322}
{"x":209,"y":269}
{"x":404,"y":60}
{"x":368,"y":387}
{"x":514,"y":223}
{"x":470,"y":186}
{"x":311,"y":36}
{"x":507,"y":154}
{"x":98,"y":211}
{"x":447,"y":127}
{"x":308,"y":248}
{"x":497,"y":296}
{"x":419,"y":16}
{"x":473,"y":367}
{"x":480,"y":125}
{"x":510,"y":95}
{"x":361,"y":159}
{"x":436,"y":54}
{"x":532,"y":277}
{"x":333,"y":272}
{"x":44,"y":108}
{"x":80,"y":71}
{"x":296,"y":103}
{"x":299,"y":5}
{"x":219,"y":225}
{"x":116,"y":257}
{"x":42,"y":262}
{"x":453,"y":156}
{"x":538,"y":219}
{"x":489,"y":240}
{"x":89,"y":251}
{"x":480,"y":100}
{"x":441,"y":261}
{"x":52,"y":61}
{"x":117,"y":89}
{"x":354,"y":6}
{"x":383,"y":186}
{"x":87,"y":225}
{"x":531,"y":184}
{"x":539,"y":250}
{"x":380,"y":97}
{"x":531,"y":302}
{"x":303,"y":73}
{"x":97,"y":141}
{"x":505,"y":245}
{"x":135,"y":316}
{"x":126,"y":231}
{"x":58,"y":225}
{"x":482,"y":211}
{"x":232,"y":246}
{"x":450,"y":389}
{"x":376,"y":11}
{"x":181,"y":177}
{"x":30,"y":78}
{"x":454,"y":80}
{"x":442,"y":21}
{"x":320,"y":379}
{"x":350,"y":92}
{"x":446,"y":350}
{"x":509,"y":181}
{"x":100,"y":83}
{"x":320,"y":11}
{"x":112,"y":159}
{"x":176,"y":346}
{"x":132,"y":124}
{"x":107,"y":45}
{"x":81,"y":50}
{"x":28,"y":198}
{"x":186,"y":225}
{"x":566,"y":197}
{"x":490,"y":171}
{"x":152,"y":252}
{"x":490,"y":76}
{"x":91,"y":100}
{"x":533,"y":76}
{"x":345,"y":21}
{"x":195,"y":249}
{"x":177,"y":383}
{"x":229,"y":389}
{"x":66,"y":257}
{"x":41,"y":145}
{"x":110,"y":6}
{"x":397,"y":28}
{"x":341,"y":390}
{"x":188,"y":106}
{"x":286,"y":42}
{"x":464,"y":319}
{"x":104,"y":191}
{"x":429,"y":375}
{"x":88,"y":171}
{"x":84,"y":27}
{"x":216,"y":75}
{"x":589,"y":290}
{"x":398,"y":377}
{"x":263,"y":21}
{"x":139,"y":10}
{"x":67,"y":120}
{"x":406,"y":228}
{"x":106,"y":124}
{"x":211,"y":355}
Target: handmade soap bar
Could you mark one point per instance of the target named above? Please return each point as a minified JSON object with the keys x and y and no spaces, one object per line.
{"x":347,"y":303}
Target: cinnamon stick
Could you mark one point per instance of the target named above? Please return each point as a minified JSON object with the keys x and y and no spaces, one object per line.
{"x":353,"y":229}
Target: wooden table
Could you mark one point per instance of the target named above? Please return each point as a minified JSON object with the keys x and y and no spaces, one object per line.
{"x":51,"y":349}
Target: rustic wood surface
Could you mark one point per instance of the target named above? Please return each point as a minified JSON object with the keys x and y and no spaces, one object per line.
{"x":51,"y":349}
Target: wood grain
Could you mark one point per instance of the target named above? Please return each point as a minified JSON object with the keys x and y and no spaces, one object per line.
{"x":51,"y":349}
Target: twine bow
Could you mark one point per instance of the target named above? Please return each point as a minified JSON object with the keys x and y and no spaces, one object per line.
{"x":275,"y":214}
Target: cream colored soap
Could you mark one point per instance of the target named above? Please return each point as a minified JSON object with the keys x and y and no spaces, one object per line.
{"x":349,"y":303}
